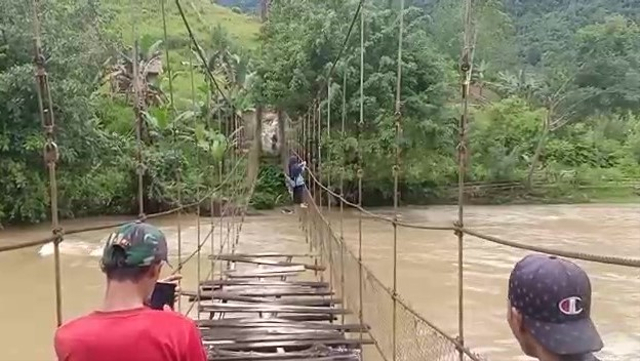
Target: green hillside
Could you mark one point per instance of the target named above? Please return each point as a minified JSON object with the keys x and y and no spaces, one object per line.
{"x":203,"y":16}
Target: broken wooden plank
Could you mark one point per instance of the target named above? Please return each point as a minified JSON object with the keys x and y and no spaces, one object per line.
{"x":308,"y":317}
{"x":257,"y":308}
{"x":250,"y":322}
{"x":272,"y":255}
{"x":291,"y":301}
{"x":274,"y":330}
{"x":228,"y":282}
{"x":263,"y":292}
{"x":271,"y":288}
{"x":277,"y":271}
{"x":261,"y":261}
{"x":315,"y":355}
{"x":319,"y":336}
{"x":296,"y":343}
{"x":265,"y":275}
{"x":282,"y":357}
{"x":223,"y":333}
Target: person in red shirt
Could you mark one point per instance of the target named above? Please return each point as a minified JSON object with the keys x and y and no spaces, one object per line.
{"x":124,"y":329}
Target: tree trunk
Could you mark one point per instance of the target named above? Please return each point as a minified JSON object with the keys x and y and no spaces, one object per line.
{"x":282,"y":139}
{"x":256,"y":146}
{"x":264,"y":9}
{"x":539,"y":148}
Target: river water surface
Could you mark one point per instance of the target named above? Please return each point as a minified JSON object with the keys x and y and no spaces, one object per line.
{"x":427,"y":269}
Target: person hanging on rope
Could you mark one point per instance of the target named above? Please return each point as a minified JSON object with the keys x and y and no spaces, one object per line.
{"x":295,"y":180}
{"x":124,"y":329}
{"x":549,"y":310}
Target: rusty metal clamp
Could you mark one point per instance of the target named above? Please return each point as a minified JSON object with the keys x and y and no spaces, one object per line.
{"x":51,"y":153}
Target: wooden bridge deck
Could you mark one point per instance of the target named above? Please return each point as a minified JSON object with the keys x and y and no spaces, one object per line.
{"x":264,"y":312}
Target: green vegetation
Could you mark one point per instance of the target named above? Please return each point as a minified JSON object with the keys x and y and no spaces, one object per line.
{"x":556,"y":91}
{"x":555,"y":88}
{"x":88,"y":48}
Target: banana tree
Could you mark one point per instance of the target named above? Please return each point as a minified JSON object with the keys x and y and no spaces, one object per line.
{"x":121,"y":75}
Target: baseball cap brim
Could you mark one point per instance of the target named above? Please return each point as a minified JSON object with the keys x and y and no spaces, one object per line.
{"x":568,"y":338}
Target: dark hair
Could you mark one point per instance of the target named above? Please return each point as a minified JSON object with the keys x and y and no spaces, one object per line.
{"x":117,"y":268}
{"x":293,"y":160}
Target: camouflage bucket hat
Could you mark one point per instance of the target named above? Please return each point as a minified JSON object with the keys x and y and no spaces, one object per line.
{"x":143,"y":245}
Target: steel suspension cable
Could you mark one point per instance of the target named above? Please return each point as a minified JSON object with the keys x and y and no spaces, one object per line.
{"x":329,"y":168}
{"x":396,"y":171}
{"x":212,"y":172}
{"x":174,"y":141}
{"x":318,"y":162}
{"x":201,"y":55}
{"x":195,"y":126}
{"x":466,"y":63}
{"x":220,"y":198}
{"x":313,"y":150}
{"x":343,"y":165}
{"x":345,"y":43}
{"x":138,"y":107}
{"x":51,"y":154}
{"x":360,"y":174}
{"x":319,"y":170}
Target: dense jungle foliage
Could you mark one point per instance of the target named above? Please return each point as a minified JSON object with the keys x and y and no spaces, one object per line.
{"x":556,"y":97}
{"x":555,"y":87}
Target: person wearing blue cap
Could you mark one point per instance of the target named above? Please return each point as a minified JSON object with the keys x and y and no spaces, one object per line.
{"x":549,"y":310}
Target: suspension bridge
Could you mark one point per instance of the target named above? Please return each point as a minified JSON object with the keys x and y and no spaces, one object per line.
{"x":324,"y":304}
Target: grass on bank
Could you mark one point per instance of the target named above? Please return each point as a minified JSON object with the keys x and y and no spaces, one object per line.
{"x":203,"y":17}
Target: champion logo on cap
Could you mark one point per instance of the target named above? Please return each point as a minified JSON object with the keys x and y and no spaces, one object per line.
{"x":571,"y":306}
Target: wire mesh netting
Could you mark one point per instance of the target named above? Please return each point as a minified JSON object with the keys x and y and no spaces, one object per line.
{"x":415,"y":338}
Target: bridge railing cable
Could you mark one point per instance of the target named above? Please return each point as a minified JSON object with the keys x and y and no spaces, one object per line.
{"x":612,"y":260}
{"x":200,"y":201}
{"x":378,"y":305}
{"x":240,"y":194}
{"x":398,"y":330}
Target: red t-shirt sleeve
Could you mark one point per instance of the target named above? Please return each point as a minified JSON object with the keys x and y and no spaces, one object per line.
{"x":195,"y":350}
{"x":59,"y":344}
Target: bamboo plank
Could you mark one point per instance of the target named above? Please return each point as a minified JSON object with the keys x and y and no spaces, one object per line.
{"x":261,"y":261}
{"x":290,"y":301}
{"x":296,"y":343}
{"x":278,"y":271}
{"x":309,"y":317}
{"x":277,"y":322}
{"x":272,"y":254}
{"x":334,"y":355}
{"x":261,"y":292}
{"x":223,"y":333}
{"x":239,"y":308}
{"x":319,"y":336}
{"x":271,"y":288}
{"x":240,"y":282}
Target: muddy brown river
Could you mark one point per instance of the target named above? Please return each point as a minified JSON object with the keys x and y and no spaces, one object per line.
{"x":427,"y":269}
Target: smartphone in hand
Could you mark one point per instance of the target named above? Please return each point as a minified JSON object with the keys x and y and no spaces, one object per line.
{"x":163,"y":294}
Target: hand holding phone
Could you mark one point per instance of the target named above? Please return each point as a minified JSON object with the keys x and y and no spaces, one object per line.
{"x":163,"y":294}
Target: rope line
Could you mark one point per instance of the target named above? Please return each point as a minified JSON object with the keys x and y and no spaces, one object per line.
{"x":200,"y":53}
{"x":389,"y":291}
{"x":43,"y":241}
{"x":342,"y":49}
{"x":396,"y":174}
{"x":51,"y":154}
{"x":613,"y":260}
